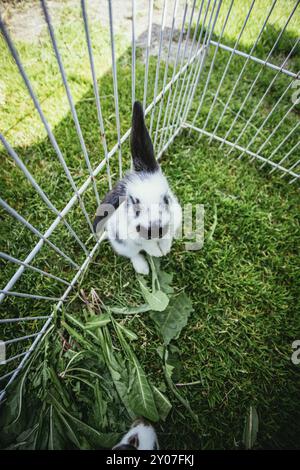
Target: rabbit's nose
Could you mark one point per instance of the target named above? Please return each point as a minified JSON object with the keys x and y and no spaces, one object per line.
{"x":144,"y":232}
{"x":152,"y":231}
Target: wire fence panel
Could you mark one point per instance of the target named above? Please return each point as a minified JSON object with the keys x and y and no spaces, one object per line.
{"x":192,"y":65}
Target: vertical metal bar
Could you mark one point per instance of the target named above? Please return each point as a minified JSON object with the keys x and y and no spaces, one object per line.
{"x":69,"y":96}
{"x":244,"y":66}
{"x":27,"y":224}
{"x":275,"y":128}
{"x":166,"y":115}
{"x":162,"y":28}
{"x":199,"y":67}
{"x":16,"y":371}
{"x":260,"y":72}
{"x":39,"y":190}
{"x":261,"y":100}
{"x":210,"y":71}
{"x":43,"y":331}
{"x":133,"y":53}
{"x":115,"y":82}
{"x":197,"y":64}
{"x":43,"y":119}
{"x":168,"y":143}
{"x":249,"y":152}
{"x":150,"y":13}
{"x":167,"y":130}
{"x":96,"y":91}
{"x":64,"y":212}
{"x":287,"y":156}
{"x":206,"y":42}
{"x":290,"y":170}
{"x":296,"y":177}
{"x":188,"y":70}
{"x":227,"y":65}
{"x":166,"y":71}
{"x":281,"y":144}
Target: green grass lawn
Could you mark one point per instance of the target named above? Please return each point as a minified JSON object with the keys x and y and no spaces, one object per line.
{"x":244,"y":283}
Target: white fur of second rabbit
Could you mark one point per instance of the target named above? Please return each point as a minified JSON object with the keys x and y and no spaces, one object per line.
{"x":148,"y":188}
{"x":141,"y":436}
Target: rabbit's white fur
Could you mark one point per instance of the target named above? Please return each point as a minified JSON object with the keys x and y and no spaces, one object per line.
{"x":149,"y":189}
{"x":147,"y":208}
{"x":141,"y":436}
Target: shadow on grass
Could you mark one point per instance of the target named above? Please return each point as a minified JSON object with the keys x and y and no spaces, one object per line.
{"x":238,"y":274}
{"x":43,"y":163}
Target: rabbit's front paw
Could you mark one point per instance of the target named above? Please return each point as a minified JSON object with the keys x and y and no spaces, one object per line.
{"x":165,"y":246}
{"x":140,"y":265}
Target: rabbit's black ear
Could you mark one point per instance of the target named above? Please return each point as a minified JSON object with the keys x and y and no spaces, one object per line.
{"x":141,"y":145}
{"x":109,"y":204}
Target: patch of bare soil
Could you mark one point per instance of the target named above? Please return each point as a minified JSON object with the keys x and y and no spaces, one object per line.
{"x":26,"y":22}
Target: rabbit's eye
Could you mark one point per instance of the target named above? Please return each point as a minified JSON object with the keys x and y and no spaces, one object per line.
{"x":166,"y":200}
{"x":134,"y":201}
{"x":138,"y":228}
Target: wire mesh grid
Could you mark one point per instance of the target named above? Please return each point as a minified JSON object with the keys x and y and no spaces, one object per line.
{"x":187,"y":61}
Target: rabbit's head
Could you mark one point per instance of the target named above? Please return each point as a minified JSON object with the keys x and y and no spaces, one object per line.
{"x":145,"y":190}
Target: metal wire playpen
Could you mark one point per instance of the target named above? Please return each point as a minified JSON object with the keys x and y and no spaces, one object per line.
{"x":187,"y":41}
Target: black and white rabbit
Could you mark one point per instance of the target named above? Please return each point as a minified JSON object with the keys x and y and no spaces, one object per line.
{"x":148,"y":214}
{"x":141,"y":436}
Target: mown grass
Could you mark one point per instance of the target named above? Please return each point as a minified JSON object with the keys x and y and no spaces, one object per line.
{"x":244,"y":283}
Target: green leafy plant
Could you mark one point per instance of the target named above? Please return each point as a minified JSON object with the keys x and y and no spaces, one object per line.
{"x":85,"y":381}
{"x":175,"y":317}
